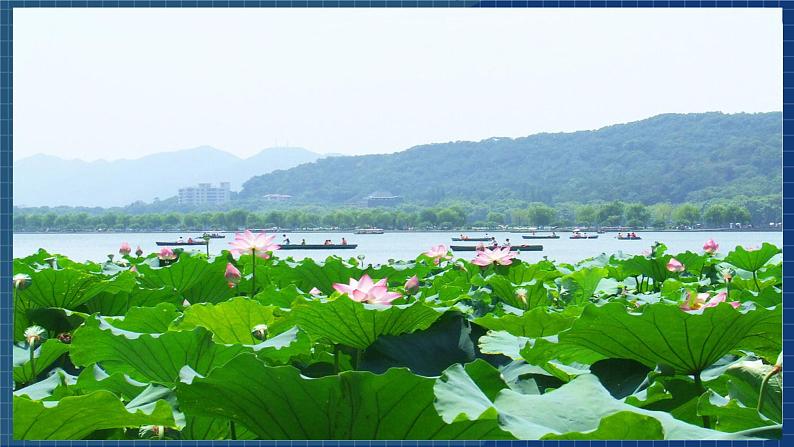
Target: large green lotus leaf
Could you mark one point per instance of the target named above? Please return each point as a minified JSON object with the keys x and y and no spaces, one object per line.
{"x":147,"y":320}
{"x":664,"y":334}
{"x":68,"y":288}
{"x":230,"y":321}
{"x":525,"y":272}
{"x":620,"y":425}
{"x":279,"y":403}
{"x":466,"y":393}
{"x":427,"y":352}
{"x":562,"y":365}
{"x":744,"y":385}
{"x":271,"y":295}
{"x":120,"y":303}
{"x":307,"y":274}
{"x":752,"y":260}
{"x":579,"y":406}
{"x":79,"y":416}
{"x":729,"y":415}
{"x":148,"y":357}
{"x":692,"y":261}
{"x":677,"y":395}
{"x":193,"y":278}
{"x":41,"y":260}
{"x":358,"y":325}
{"x":654,"y":268}
{"x":536,"y":292}
{"x":537,"y":322}
{"x":44,"y":389}
{"x":43,"y":358}
{"x":583,"y":284}
{"x":282,"y":348}
{"x":94,"y":378}
{"x":502,"y":343}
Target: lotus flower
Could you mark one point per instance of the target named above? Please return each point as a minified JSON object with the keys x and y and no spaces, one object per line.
{"x":22,"y":281}
{"x":166,"y":254}
{"x":232,"y":275}
{"x":710,"y":246}
{"x":501,"y":256}
{"x":138,"y":251}
{"x":315,"y":291}
{"x":157,"y":431}
{"x":124,"y":249}
{"x":521,"y":295}
{"x":257,"y":244}
{"x":674,"y":265}
{"x":696,"y":301}
{"x":366,"y":291}
{"x":34,"y":334}
{"x":438,"y":252}
{"x":412,"y":283}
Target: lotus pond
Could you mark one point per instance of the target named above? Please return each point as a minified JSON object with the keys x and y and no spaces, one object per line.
{"x":253,"y":345}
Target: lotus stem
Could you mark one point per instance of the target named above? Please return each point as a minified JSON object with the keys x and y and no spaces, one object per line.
{"x":232,"y":430}
{"x":253,"y":274}
{"x":765,"y":385}
{"x":755,"y":279}
{"x":702,"y":389}
{"x":32,"y":349}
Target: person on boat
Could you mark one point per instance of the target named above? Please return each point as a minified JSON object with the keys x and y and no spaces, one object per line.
{"x":286,"y":239}
{"x":303,"y":241}
{"x":344,"y":241}
{"x":620,"y":235}
{"x":327,"y":242}
{"x":190,"y":240}
{"x":180,"y":240}
{"x":553,"y":234}
{"x":507,"y":242}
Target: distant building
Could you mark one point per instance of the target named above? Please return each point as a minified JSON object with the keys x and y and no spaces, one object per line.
{"x":205,"y":193}
{"x":277,"y":197}
{"x":383,"y":199}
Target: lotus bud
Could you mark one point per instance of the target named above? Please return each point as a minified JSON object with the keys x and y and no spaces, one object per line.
{"x":185,"y":303}
{"x":412,"y":284}
{"x":65,"y":337}
{"x":35,"y":335}
{"x":259,"y":332}
{"x":157,"y":431}
{"x":315,"y":291}
{"x":710,"y":246}
{"x":727,"y":275}
{"x":521,"y":295}
{"x":124,"y":249}
{"x":674,"y":265}
{"x":232,"y":275}
{"x":110,"y":258}
{"x":134,"y":269}
{"x":166,"y":254}
{"x":138,"y":251}
{"x":22,"y":281}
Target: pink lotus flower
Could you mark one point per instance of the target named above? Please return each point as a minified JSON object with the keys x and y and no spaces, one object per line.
{"x":138,"y":251}
{"x":438,"y":252}
{"x":501,"y":256}
{"x":710,"y":246}
{"x":412,"y":283}
{"x":366,"y":291}
{"x":134,"y":269}
{"x":697,"y":301}
{"x":166,"y":254}
{"x":674,"y":265}
{"x":257,"y":244}
{"x":124,"y":249}
{"x":315,"y":291}
{"x":232,"y":275}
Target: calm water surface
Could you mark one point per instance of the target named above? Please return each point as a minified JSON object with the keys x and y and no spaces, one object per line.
{"x":379,"y":248}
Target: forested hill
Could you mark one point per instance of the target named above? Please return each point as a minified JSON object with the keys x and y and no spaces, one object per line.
{"x":666,"y":158}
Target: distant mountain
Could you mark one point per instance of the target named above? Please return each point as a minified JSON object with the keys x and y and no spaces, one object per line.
{"x":671,"y":157}
{"x":46,"y":180}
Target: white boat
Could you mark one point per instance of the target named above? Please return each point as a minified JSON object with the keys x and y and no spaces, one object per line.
{"x":369,"y":231}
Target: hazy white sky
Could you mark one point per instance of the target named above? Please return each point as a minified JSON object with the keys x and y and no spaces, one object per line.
{"x":122,"y":83}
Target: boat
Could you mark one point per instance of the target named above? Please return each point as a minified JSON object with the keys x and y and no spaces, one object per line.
{"x":472,"y":239}
{"x":213,"y":236}
{"x":583,"y":236}
{"x":369,"y":231}
{"x":635,"y":238}
{"x":179,"y":244}
{"x":541,"y":236}
{"x":318,"y":246}
{"x":512,"y":247}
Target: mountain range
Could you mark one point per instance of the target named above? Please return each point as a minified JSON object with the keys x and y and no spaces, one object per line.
{"x":45,"y":180}
{"x":666,"y":158}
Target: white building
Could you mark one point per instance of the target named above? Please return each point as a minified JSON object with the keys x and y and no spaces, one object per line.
{"x":205,"y":193}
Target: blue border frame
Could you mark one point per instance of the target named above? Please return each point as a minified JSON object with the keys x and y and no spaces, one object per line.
{"x":6,"y":204}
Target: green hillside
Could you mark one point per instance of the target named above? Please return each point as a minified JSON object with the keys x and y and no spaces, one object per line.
{"x":667,"y":158}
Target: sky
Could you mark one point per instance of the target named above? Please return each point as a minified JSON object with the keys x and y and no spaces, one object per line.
{"x":123,"y":83}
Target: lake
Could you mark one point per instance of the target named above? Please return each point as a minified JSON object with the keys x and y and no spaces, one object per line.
{"x":379,"y":248}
